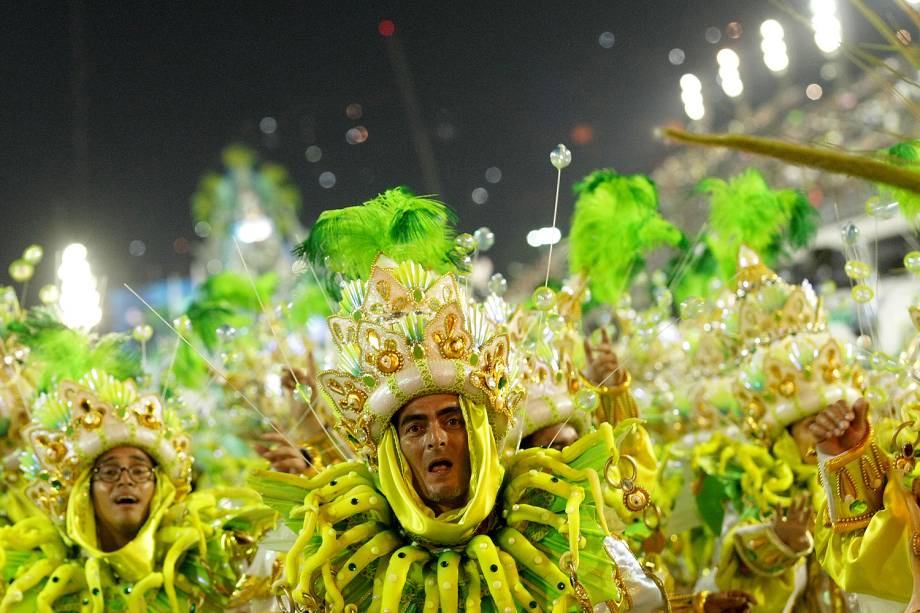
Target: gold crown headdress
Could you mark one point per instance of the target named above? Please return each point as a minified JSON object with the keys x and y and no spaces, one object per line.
{"x":768,"y":308}
{"x":790,"y":367}
{"x":80,"y":421}
{"x":549,"y":355}
{"x":407,"y":332}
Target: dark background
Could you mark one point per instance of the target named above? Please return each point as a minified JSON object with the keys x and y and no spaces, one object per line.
{"x":111,"y":112}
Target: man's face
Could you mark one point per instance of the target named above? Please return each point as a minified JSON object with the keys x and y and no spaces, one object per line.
{"x":122,"y":505}
{"x":804,"y":439}
{"x":557,"y":436}
{"x":433,"y":440}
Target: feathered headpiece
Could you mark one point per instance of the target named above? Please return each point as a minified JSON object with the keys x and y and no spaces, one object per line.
{"x":406,"y":331}
{"x":396,"y":223}
{"x":616,"y":221}
{"x":743,"y":211}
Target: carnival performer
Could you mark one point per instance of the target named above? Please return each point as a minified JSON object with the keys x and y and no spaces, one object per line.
{"x":115,"y":525}
{"x":430,"y":515}
{"x":868,"y":517}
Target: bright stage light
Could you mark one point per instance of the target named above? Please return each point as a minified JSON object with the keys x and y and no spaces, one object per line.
{"x":729,"y":76}
{"x":253,"y":229}
{"x":691,"y":95}
{"x":828,"y":30}
{"x":543,"y":236}
{"x":79,"y":301}
{"x":773,"y":45}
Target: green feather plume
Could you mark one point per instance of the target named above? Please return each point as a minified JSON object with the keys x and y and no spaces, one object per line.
{"x":64,"y":353}
{"x":905,"y":154}
{"x":745,"y":211}
{"x":395,"y":223}
{"x":616,"y":221}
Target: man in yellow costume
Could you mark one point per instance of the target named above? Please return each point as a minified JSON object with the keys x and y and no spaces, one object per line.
{"x":868,"y":523}
{"x":430,"y":517}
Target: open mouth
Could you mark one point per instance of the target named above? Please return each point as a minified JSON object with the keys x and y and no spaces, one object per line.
{"x":125,"y":499}
{"x":440,"y":466}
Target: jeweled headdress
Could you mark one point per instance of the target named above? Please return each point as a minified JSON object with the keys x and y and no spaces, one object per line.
{"x":549,"y":355}
{"x":403,"y":330}
{"x":408,"y":332}
{"x":791,"y":367}
{"x":78,"y":422}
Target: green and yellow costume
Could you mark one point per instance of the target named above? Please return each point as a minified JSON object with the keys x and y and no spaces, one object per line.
{"x":186,"y":556}
{"x":532,"y":535}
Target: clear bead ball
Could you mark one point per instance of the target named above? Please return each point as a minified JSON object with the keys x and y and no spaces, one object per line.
{"x":498,"y":285}
{"x":33,"y":254}
{"x":21,"y":271}
{"x":544,"y":298}
{"x":912,"y":262}
{"x":485,"y":238}
{"x":49,"y":294}
{"x":850,"y":234}
{"x":560,"y":157}
{"x":862,"y":293}
{"x":142,"y":333}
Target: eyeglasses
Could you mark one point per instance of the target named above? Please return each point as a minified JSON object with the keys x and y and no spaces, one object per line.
{"x":137,"y":473}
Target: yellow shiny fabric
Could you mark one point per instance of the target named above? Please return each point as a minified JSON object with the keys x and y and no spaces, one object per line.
{"x":135,"y":560}
{"x":453,"y":527}
{"x":872,"y":561}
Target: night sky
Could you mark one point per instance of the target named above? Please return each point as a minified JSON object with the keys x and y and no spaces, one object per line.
{"x":168,"y":85}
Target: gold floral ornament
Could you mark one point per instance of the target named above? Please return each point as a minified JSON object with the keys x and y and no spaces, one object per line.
{"x":408,"y":332}
{"x":770,"y":309}
{"x":795,"y":378}
{"x":78,"y":422}
{"x":549,"y":354}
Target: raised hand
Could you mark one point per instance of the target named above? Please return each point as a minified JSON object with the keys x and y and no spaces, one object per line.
{"x":792,"y":527}
{"x":283,"y":455}
{"x":840,"y":427}
{"x":603,"y":366}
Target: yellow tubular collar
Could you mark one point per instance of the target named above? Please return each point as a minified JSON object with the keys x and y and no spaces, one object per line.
{"x":457,"y":526}
{"x":135,"y":560}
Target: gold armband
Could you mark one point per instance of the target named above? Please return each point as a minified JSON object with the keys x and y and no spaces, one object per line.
{"x":616,"y":403}
{"x":857,"y":481}
{"x":688,"y":602}
{"x":763,"y":551}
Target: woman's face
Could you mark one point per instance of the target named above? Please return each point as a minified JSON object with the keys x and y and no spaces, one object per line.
{"x":123,"y":484}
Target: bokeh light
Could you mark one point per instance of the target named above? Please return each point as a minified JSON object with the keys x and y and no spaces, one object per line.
{"x":582,"y":134}
{"x":606,"y":40}
{"x":480,"y":195}
{"x":268,"y":125}
{"x":354,"y":111}
{"x":313,"y":154}
{"x":773,"y":45}
{"x":677,"y":56}
{"x":692,"y":96}
{"x":137,"y":248}
{"x":493,"y":174}
{"x":356,"y":135}
{"x":386,"y":28}
{"x":327,"y":180}
{"x":713,"y":35}
{"x":824,"y":21}
{"x":729,"y":76}
{"x":543,"y":236}
{"x":814,"y":91}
